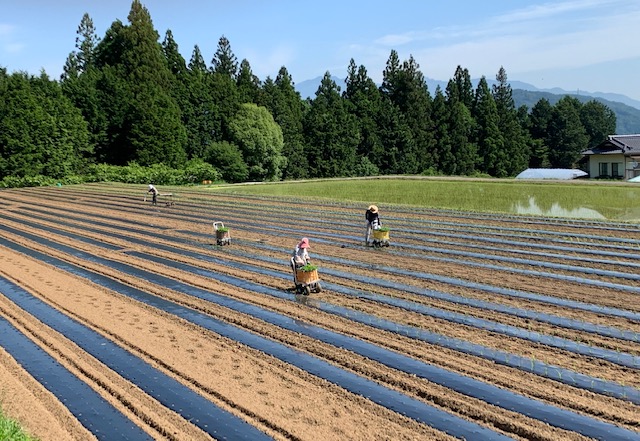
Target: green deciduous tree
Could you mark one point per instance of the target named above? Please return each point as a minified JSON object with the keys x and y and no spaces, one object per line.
{"x":227,"y":158}
{"x":260,"y":140}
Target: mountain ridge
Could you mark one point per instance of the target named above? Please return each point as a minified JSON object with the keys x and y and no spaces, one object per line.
{"x":626,"y":109}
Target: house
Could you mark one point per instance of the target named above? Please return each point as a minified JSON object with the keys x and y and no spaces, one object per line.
{"x":617,"y":157}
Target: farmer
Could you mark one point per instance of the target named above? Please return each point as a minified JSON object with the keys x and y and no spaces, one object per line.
{"x":154,"y":191}
{"x":300,"y":256}
{"x":373,"y":222}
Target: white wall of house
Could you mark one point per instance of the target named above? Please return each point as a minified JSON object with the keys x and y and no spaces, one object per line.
{"x":611,"y":165}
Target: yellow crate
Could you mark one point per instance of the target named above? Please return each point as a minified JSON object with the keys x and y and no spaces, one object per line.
{"x":307,"y":277}
{"x":381,"y":235}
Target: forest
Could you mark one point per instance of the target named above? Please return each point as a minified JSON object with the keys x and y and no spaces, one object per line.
{"x":129,"y":107}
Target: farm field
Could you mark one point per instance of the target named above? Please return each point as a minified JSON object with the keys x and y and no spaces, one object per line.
{"x":124,"y":321}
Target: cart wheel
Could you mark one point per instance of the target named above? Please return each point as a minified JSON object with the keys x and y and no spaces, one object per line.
{"x":318,"y":287}
{"x":306,"y":290}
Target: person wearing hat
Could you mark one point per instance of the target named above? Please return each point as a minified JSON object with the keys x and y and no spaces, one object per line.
{"x":300,"y":256}
{"x":154,"y":191}
{"x":373,"y":222}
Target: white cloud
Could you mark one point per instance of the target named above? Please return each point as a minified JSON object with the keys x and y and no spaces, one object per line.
{"x":549,"y":35}
{"x":268,"y":63}
{"x":8,"y":45}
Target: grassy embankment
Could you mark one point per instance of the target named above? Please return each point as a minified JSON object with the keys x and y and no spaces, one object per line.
{"x":580,"y":199}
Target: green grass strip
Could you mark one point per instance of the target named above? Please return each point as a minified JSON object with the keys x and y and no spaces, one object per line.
{"x":573,"y":199}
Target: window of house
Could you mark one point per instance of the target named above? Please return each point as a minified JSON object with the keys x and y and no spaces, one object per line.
{"x":604,"y":168}
{"x":616,"y":167}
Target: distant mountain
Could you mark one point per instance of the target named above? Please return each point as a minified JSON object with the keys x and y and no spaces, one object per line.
{"x":627,"y":117}
{"x":627,"y":110}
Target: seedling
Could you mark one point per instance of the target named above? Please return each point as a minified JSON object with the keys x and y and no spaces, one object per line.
{"x":308,"y":268}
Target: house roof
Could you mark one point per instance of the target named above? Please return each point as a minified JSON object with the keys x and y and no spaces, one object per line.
{"x":628,"y":145}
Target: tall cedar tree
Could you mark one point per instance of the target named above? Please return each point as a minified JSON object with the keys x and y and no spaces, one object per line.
{"x":199,"y":115}
{"x":224,"y":61}
{"x":599,"y":121}
{"x":331,"y":133}
{"x":516,"y":147}
{"x":249,"y":85}
{"x":461,"y":128}
{"x":406,"y":88}
{"x":79,"y":82}
{"x":444,"y":157}
{"x":223,"y":89}
{"x":567,"y":136}
{"x":488,"y":136}
{"x":365,"y":103}
{"x":155,"y":133}
{"x":144,"y":122}
{"x":287,"y":108}
{"x":539,"y":119}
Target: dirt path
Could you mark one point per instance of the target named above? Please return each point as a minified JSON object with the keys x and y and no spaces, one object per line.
{"x":279,"y":398}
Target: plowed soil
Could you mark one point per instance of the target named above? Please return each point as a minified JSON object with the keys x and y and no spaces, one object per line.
{"x":280,"y":399}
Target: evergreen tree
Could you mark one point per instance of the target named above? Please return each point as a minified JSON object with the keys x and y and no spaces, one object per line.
{"x":80,"y":60}
{"x":144,"y":119}
{"x":463,"y":87}
{"x":404,"y":85}
{"x":288,"y":109}
{"x":331,"y":133}
{"x":567,"y":136}
{"x":599,"y":122}
{"x":260,"y":140}
{"x":461,"y":128}
{"x":364,"y":101}
{"x":224,"y":61}
{"x":41,"y":132}
{"x":444,"y":159}
{"x":197,"y":63}
{"x":516,"y":146}
{"x":201,"y":114}
{"x":249,"y":87}
{"x":488,"y":135}
{"x":79,"y":80}
{"x":540,"y":117}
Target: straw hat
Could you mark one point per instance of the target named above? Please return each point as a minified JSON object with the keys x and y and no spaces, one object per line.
{"x":373,"y":208}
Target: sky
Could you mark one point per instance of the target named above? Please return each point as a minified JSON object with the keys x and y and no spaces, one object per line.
{"x":577,"y":45}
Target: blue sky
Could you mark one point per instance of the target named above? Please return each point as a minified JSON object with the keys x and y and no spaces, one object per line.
{"x":589,"y":45}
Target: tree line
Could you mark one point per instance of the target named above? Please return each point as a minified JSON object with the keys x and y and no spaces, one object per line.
{"x":130,"y":100}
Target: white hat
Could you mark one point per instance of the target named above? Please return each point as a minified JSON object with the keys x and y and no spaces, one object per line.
{"x":150,"y":186}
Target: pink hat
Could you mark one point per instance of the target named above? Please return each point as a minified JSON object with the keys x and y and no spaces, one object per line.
{"x":304,"y":243}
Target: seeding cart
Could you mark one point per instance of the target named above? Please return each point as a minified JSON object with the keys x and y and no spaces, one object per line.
{"x":223,"y":237}
{"x":305,"y":281}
